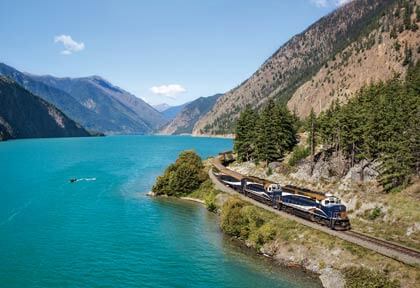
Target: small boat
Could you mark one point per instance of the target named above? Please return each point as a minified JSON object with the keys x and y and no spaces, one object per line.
{"x":72,"y":180}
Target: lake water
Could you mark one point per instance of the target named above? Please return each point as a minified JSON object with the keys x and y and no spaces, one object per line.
{"x":104,"y":231}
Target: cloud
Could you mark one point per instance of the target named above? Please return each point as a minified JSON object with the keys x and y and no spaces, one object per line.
{"x":342,"y":2}
{"x":70,"y":46}
{"x":328,"y":3}
{"x":169,"y":90}
{"x":320,"y":3}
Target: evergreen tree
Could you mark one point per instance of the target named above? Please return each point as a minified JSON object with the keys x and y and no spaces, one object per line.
{"x":266,"y":134}
{"x":312,"y":128}
{"x":245,"y":132}
{"x":381,"y":123}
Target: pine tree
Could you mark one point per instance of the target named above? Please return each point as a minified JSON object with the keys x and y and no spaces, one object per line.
{"x":245,"y":133}
{"x":312,"y":131}
{"x":267,"y":138}
{"x":381,"y":123}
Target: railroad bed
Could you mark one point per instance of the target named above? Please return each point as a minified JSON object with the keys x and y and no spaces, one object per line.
{"x":392,"y":250}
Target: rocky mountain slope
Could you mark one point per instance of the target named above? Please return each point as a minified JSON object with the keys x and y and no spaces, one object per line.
{"x":189,"y":115}
{"x":24,"y":115}
{"x":379,"y":56}
{"x":172,"y":111}
{"x":92,"y":101}
{"x":289,"y":71}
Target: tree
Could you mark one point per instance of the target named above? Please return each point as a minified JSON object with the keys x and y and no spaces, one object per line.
{"x":312,"y":130}
{"x":381,"y":123}
{"x":182,"y":177}
{"x":245,"y":132}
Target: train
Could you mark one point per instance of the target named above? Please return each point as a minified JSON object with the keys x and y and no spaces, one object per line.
{"x":322,"y":208}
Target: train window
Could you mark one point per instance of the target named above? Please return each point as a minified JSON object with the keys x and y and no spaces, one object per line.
{"x":327,"y":202}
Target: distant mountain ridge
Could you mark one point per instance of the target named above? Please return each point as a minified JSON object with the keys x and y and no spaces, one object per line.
{"x":171,"y":112}
{"x":191,"y":112}
{"x":307,"y":54}
{"x":92,"y":101}
{"x":162,"y":107}
{"x":24,"y":115}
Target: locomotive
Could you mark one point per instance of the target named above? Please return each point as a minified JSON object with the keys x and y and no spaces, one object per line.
{"x":322,"y":208}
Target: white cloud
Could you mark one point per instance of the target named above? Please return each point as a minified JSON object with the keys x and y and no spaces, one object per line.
{"x":70,"y":46}
{"x":328,"y":3}
{"x":320,"y":3}
{"x":169,"y":90}
{"x":342,"y":2}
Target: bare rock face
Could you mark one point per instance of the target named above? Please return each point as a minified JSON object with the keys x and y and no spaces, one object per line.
{"x":327,"y":166}
{"x":362,"y":172}
{"x":274,"y":165}
{"x":332,"y":278}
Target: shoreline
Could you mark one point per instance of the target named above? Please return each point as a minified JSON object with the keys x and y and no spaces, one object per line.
{"x":191,"y":199}
{"x":226,"y":136}
{"x":275,"y":261}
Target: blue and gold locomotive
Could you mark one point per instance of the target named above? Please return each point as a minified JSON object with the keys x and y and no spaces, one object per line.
{"x":322,"y":208}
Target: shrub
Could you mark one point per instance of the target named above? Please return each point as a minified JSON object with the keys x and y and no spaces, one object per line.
{"x":231,"y":220}
{"x":247,"y":222}
{"x":375,"y":213}
{"x":299,"y":153}
{"x":210,"y":200}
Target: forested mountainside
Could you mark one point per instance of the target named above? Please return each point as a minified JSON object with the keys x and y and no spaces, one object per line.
{"x":189,"y":115}
{"x":306,"y":55}
{"x":24,"y":115}
{"x":92,"y":101}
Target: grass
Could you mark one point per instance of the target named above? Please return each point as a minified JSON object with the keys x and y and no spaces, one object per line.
{"x":397,"y":220}
{"x":359,"y":277}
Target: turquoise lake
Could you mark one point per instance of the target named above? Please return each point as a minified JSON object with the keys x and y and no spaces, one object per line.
{"x":104,"y":231}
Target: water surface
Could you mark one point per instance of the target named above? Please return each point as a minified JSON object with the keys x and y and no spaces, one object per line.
{"x":104,"y":231}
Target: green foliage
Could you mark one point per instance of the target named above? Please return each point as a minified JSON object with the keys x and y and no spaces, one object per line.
{"x":382,"y":122}
{"x":231,"y":220}
{"x":245,"y":134}
{"x":408,"y":54}
{"x":182,"y":177}
{"x":299,"y":153}
{"x":365,"y":278}
{"x":311,"y":126}
{"x":418,"y":13}
{"x":375,"y":213}
{"x":266,"y":136}
{"x":247,"y":222}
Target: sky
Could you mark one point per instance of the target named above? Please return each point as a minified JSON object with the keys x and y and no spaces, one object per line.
{"x":169,"y":51}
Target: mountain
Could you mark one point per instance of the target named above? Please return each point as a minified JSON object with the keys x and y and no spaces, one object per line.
{"x":172,"y":112}
{"x":353,"y":45}
{"x":185,"y":120}
{"x":162,"y":107}
{"x":24,"y":115}
{"x":92,"y":101}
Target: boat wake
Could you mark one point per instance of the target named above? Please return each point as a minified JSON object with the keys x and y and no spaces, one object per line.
{"x":72,"y":180}
{"x":15,"y":212}
{"x":86,"y":179}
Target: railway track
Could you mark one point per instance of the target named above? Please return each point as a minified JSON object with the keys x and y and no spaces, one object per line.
{"x":392,"y":250}
{"x":386,"y":244}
